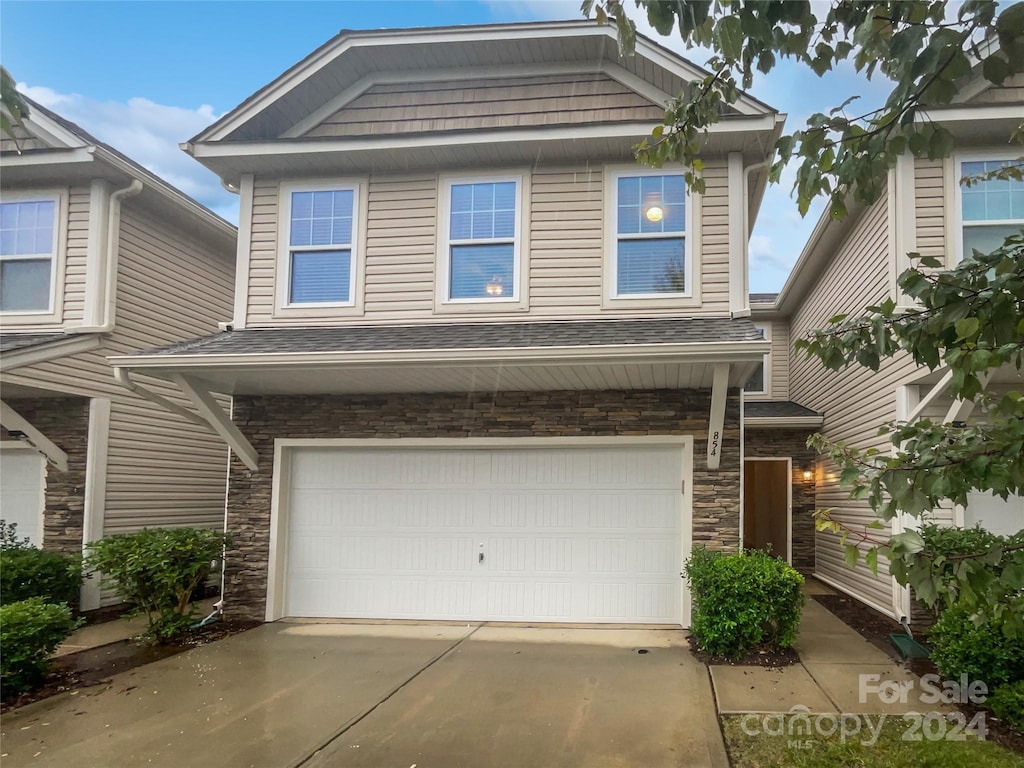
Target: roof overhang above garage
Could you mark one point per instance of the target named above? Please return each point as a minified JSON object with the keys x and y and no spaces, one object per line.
{"x":688,"y":353}
{"x":568,"y":355}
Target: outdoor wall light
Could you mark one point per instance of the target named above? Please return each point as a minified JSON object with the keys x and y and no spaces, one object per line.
{"x":654,"y":213}
{"x":494,"y":288}
{"x":808,"y":474}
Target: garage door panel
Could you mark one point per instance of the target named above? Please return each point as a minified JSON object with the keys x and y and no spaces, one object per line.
{"x":22,"y":479}
{"x":568,"y":534}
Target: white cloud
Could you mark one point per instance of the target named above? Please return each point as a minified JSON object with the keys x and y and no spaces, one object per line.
{"x":148,"y":133}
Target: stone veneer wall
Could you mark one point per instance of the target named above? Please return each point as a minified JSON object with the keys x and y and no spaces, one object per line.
{"x":65,"y":420}
{"x":504,"y":414}
{"x":791,"y":443}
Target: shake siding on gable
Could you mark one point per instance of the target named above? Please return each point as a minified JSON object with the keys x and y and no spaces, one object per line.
{"x":564,"y":250}
{"x":855,"y":401}
{"x":513,"y":102}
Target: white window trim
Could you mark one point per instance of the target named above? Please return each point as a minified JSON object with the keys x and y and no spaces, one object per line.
{"x":609,"y":296}
{"x":766,"y":393}
{"x":958,"y":203}
{"x":53,"y":312}
{"x":517,"y":301}
{"x":354,"y":306}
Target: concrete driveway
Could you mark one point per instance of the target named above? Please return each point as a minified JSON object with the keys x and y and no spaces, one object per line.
{"x":318,"y":695}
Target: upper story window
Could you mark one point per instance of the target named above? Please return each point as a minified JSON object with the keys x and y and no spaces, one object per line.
{"x":480,"y":239}
{"x":28,"y":252}
{"x":650,"y":237}
{"x":321,"y":250}
{"x":990,"y":210}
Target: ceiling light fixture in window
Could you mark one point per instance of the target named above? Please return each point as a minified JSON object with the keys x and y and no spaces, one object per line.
{"x":654,"y":213}
{"x":494,"y":288}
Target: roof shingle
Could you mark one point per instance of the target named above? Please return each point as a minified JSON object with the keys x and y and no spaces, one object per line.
{"x":442,"y":336}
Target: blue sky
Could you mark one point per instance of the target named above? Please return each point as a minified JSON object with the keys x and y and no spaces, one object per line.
{"x":144,"y":76}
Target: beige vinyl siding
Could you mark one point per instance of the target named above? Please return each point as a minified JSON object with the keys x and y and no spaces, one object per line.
{"x":855,"y":401}
{"x":512,"y":102}
{"x":564,"y":257}
{"x":931,"y":207}
{"x":77,"y":244}
{"x":161,"y":469}
{"x":779,"y":360}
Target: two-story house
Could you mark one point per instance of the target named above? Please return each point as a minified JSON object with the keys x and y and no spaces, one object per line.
{"x":854,"y":263}
{"x":100,"y":257}
{"x":482,"y":364}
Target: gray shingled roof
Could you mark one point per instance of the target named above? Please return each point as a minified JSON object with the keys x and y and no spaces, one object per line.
{"x":763,"y":298}
{"x":776,"y":409}
{"x":10,"y":342}
{"x":440,"y":336}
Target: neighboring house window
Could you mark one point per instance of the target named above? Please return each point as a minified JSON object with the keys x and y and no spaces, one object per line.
{"x":321,"y":246}
{"x":28,"y":251}
{"x":650,"y":235}
{"x":481,"y":239}
{"x":991,"y":210}
{"x":757,"y":384}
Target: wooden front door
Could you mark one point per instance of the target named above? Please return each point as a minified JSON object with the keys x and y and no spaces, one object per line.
{"x":766,"y":505}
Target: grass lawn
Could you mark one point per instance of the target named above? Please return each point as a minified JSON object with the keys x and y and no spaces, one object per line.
{"x":890,"y":750}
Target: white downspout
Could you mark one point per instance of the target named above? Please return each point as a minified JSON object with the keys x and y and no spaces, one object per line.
{"x":746,"y":233}
{"x":113,"y":235}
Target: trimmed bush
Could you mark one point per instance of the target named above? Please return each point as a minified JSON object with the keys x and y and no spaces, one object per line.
{"x":981,"y":652}
{"x":743,"y":601}
{"x":30,"y":630}
{"x":157,"y":570}
{"x":26,"y":572}
{"x":1007,"y":703}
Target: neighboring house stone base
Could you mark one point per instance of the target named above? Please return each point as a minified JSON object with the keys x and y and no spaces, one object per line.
{"x":791,"y":443}
{"x":503,"y":414}
{"x":65,"y":421}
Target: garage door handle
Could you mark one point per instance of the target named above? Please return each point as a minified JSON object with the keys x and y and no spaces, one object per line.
{"x":481,"y":557}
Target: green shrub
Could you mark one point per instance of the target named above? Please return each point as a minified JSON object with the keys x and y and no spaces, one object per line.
{"x":28,"y":572}
{"x":1007,"y":703}
{"x":743,"y":601}
{"x":30,"y":630}
{"x":981,"y":652}
{"x":9,"y":536}
{"x":157,"y":570}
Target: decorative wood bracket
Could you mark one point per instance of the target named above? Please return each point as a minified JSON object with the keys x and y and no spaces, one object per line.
{"x":221,"y":422}
{"x":15,"y":422}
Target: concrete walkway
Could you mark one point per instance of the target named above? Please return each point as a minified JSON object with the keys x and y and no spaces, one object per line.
{"x":839,"y":671}
{"x":116,"y":630}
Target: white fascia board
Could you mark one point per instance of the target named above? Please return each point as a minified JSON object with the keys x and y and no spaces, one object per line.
{"x":51,"y":351}
{"x":736,"y":351}
{"x":49,"y":157}
{"x":236,"y":149}
{"x":782,"y":422}
{"x":969,"y":113}
{"x":52,"y":132}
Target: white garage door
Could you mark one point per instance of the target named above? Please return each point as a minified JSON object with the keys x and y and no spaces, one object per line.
{"x":22,"y":474}
{"x":582,"y":534}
